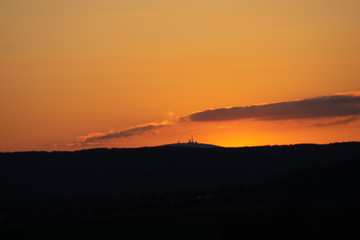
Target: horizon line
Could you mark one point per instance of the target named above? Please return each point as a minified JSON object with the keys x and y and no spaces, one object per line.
{"x":169,"y":145}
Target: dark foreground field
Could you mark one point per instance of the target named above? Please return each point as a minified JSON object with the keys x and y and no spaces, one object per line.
{"x":279,"y":192}
{"x":204,"y":222}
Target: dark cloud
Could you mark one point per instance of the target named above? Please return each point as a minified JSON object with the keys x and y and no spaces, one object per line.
{"x":137,"y":130}
{"x":336,"y":122}
{"x":342,"y":107}
{"x":326,"y":106}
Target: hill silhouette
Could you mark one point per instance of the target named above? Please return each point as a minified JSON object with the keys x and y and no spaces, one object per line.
{"x":191,"y":145}
{"x":333,"y":183}
{"x":163,"y":169}
{"x":261,"y":186}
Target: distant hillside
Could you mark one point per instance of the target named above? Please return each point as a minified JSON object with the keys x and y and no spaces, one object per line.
{"x":191,"y":145}
{"x":321,"y":183}
{"x":155,"y":170}
{"x":302,"y":191}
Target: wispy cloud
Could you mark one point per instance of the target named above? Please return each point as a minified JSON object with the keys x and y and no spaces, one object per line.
{"x":337,"y":109}
{"x":339,"y":105}
{"x":97,"y":138}
{"x":344,"y":121}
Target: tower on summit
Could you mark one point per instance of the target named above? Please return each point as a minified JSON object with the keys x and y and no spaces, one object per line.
{"x":191,"y":140}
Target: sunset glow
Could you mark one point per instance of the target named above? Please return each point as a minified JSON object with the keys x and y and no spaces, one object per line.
{"x":80,"y":74}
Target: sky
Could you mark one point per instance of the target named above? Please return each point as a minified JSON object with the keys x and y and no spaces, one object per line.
{"x":78,"y":74}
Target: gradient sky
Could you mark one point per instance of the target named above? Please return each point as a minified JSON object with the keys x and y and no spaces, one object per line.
{"x":137,"y":71}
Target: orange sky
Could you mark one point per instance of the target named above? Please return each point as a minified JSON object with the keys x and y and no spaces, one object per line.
{"x":74,"y":67}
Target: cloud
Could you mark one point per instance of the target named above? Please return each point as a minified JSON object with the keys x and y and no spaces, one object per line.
{"x":342,"y":108}
{"x":95,"y":138}
{"x":338,"y":105}
{"x":344,"y":121}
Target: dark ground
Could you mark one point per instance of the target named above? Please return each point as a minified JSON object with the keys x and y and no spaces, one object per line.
{"x":279,"y":192}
